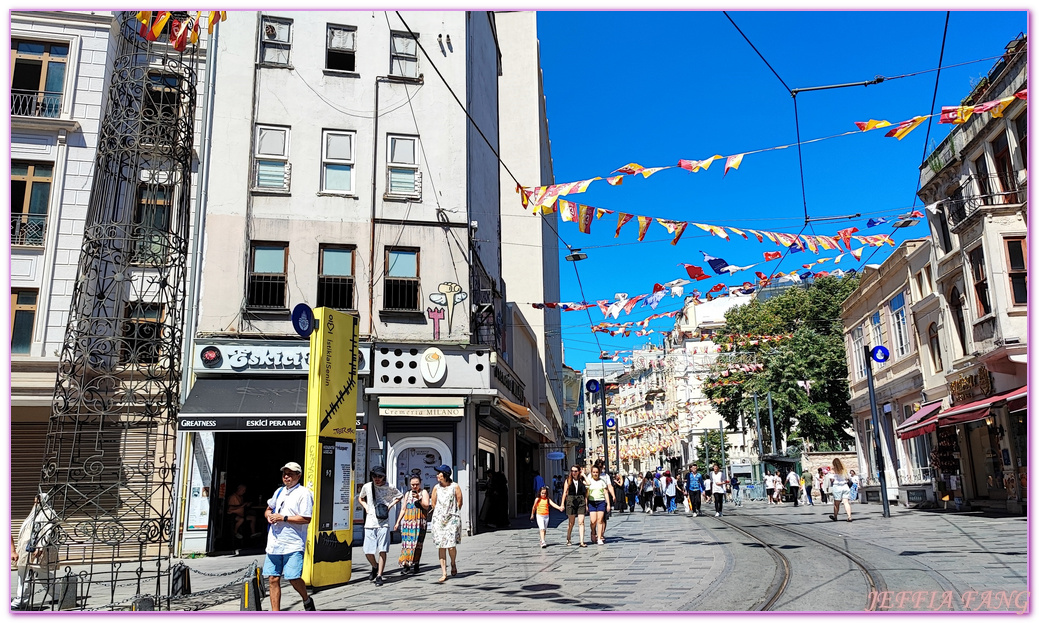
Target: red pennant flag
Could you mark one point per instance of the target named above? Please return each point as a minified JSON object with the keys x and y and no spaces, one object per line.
{"x":161,"y":17}
{"x":631,"y":303}
{"x":761,"y":275}
{"x":717,"y":288}
{"x":916,"y":214}
{"x":622,"y":220}
{"x":695,"y":272}
{"x":179,"y":35}
{"x":845,"y":235}
{"x":1022,"y":94}
{"x":584,"y":218}
{"x":955,"y":114}
{"x":772,"y":255}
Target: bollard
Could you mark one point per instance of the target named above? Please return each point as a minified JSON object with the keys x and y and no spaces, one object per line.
{"x":143,"y":604}
{"x":262,"y":586}
{"x":181,"y":580}
{"x":65,"y":592}
{"x":251,"y":596}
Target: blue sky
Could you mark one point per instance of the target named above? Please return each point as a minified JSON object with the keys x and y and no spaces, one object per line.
{"x":654,"y":87}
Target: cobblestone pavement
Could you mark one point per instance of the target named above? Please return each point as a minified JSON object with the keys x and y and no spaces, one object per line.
{"x":692,"y":564}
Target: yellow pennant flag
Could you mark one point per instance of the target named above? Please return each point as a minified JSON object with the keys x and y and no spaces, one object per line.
{"x":872,"y":124}
{"x":901,"y":130}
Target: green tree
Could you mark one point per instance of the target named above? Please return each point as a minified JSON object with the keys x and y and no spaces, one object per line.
{"x":709,"y":450}
{"x":815,"y":353}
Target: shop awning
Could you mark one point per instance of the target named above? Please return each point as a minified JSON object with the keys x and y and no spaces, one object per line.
{"x":518,"y":411}
{"x":920,"y":423}
{"x":979,"y":409}
{"x":245,"y":404}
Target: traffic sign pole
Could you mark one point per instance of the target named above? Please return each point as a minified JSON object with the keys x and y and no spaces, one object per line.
{"x":879,"y":354}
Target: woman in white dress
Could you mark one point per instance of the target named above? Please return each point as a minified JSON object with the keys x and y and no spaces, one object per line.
{"x":446,"y":522}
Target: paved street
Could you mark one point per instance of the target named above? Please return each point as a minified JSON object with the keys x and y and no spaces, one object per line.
{"x":704,"y":564}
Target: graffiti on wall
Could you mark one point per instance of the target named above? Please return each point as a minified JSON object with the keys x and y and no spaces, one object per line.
{"x":449,"y":294}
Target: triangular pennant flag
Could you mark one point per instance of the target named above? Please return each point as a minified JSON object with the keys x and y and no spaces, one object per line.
{"x":214,"y":17}
{"x":576,"y":187}
{"x":717,"y":264}
{"x":738,"y":232}
{"x":901,"y":130}
{"x":955,"y":114}
{"x":674,"y":227}
{"x":714,"y":229}
{"x":770,"y":235}
{"x":695,"y":165}
{"x":732,"y":162}
{"x":785,"y":239}
{"x":757,"y":234}
{"x":644,"y":222}
{"x":1022,"y":94}
{"x":179,"y":35}
{"x":845,"y":235}
{"x":647,"y":172}
{"x":600,"y":212}
{"x":996,"y":107}
{"x":837,"y":260}
{"x":630,"y":169}
{"x":622,"y":220}
{"x":584,"y":218}
{"x":568,"y":210}
{"x":616,"y":180}
{"x":695,"y":272}
{"x":873,"y":222}
{"x":810,"y":241}
{"x":196,"y":27}
{"x":865,"y":126}
{"x":857,"y":253}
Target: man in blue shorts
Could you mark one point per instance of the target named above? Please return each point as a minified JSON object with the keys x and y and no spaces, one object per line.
{"x":288,"y":514}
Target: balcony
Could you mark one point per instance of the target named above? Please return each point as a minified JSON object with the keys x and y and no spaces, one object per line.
{"x":984,"y":191}
{"x":35,"y":103}
{"x":28,"y":230}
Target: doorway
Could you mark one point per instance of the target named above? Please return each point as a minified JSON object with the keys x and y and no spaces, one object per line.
{"x":252,"y":459}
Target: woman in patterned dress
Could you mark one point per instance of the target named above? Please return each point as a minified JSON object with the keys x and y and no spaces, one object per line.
{"x":446,"y":522}
{"x":412,"y":525}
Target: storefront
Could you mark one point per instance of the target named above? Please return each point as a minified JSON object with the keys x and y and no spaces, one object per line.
{"x":244,"y":418}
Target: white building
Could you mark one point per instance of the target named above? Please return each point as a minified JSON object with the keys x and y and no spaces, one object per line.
{"x":343,"y":173}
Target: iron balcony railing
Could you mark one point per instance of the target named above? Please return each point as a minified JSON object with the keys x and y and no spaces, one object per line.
{"x":28,"y":230}
{"x":35,"y":103}
{"x":979,"y":191}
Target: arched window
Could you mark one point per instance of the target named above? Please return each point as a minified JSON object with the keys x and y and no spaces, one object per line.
{"x":936,"y":347}
{"x":956,"y":305}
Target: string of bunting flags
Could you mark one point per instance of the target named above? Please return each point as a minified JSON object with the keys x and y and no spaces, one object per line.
{"x":181,"y":33}
{"x":544,"y":198}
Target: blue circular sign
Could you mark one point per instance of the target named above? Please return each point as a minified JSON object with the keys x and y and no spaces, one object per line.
{"x":610,"y":422}
{"x":880,"y":354}
{"x":303,"y":319}
{"x":592,"y":386}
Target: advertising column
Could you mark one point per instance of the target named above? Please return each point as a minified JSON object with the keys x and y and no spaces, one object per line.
{"x":331,"y":434}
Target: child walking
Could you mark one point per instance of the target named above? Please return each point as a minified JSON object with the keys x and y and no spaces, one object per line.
{"x":540,"y":509}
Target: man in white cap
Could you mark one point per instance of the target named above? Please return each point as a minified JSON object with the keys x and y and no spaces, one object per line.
{"x":288,"y":514}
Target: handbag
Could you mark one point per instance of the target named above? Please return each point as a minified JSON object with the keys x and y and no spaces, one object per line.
{"x":382,"y":511}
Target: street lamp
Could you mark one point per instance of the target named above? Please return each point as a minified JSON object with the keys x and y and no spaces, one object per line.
{"x":576,"y":256}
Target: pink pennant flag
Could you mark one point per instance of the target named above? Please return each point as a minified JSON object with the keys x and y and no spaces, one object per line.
{"x":955,"y":114}
{"x":644,"y":222}
{"x":845,"y":235}
{"x":1022,"y":94}
{"x":732,"y":162}
{"x":622,"y":220}
{"x":631,"y":303}
{"x":616,"y":180}
{"x":695,"y":165}
{"x":996,"y":107}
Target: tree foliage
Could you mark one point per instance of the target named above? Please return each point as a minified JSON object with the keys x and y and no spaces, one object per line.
{"x":815,"y":353}
{"x":709,"y":450}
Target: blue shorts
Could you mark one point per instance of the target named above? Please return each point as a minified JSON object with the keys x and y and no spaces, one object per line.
{"x":596,"y":507}
{"x":288,"y":566}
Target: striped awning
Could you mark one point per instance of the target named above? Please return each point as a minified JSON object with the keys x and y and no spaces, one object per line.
{"x":920,"y":423}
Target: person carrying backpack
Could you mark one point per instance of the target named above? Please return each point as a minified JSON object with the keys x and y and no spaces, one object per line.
{"x":694,"y":485}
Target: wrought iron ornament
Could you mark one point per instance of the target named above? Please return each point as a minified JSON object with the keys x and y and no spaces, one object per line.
{"x":109,"y":464}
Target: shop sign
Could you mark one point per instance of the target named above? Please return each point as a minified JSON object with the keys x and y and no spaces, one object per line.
{"x":422,"y":412}
{"x":242,"y":423}
{"x":271,"y":359}
{"x":963,"y":388}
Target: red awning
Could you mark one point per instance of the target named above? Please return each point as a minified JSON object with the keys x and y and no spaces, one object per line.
{"x":920,"y":423}
{"x":1017,"y":404}
{"x":979,"y":409}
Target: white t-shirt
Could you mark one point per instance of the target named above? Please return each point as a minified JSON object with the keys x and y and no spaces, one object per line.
{"x":718,"y":482}
{"x":285,"y":537}
{"x":770,"y":482}
{"x":792,"y":480}
{"x":385,"y":494}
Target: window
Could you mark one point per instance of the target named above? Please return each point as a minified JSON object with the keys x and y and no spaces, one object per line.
{"x":151,"y":224}
{"x":977,"y":271}
{"x":858,"y":352}
{"x":337,"y":162}
{"x":878,"y":332}
{"x":267,"y":275}
{"x":401,"y":291}
{"x":942,"y":218}
{"x":271,"y":166}
{"x":402,"y":167}
{"x":341,"y":45}
{"x":898,"y":322}
{"x":928,"y":278}
{"x":275,"y":41}
{"x":23,"y":316}
{"x":141,"y":334}
{"x":956,"y":305}
{"x":335,"y":281}
{"x":30,"y":195}
{"x":935,"y":346}
{"x":1004,"y":169}
{"x":403,"y":55}
{"x":1017,"y":269}
{"x":38,"y":77}
{"x":1021,"y":127}
{"x":160,"y":108}
{"x":984,"y":180}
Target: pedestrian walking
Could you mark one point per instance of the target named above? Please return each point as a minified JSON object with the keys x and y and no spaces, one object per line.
{"x":446,"y":522}
{"x":540,"y":510}
{"x":840,"y":489}
{"x":411,"y":522}
{"x":35,"y":553}
{"x":598,"y":502}
{"x":853,"y":478}
{"x":718,"y":483}
{"x":647,"y":493}
{"x":612,"y":497}
{"x":575,"y":503}
{"x":770,"y":487}
{"x":737,"y":494}
{"x":631,"y":488}
{"x":658,"y":492}
{"x":618,"y":488}
{"x":777,"y":492}
{"x":793,"y":482}
{"x":667,"y":488}
{"x":288,"y":516}
{"x":823,"y":484}
{"x":538,"y":482}
{"x":809,"y":481}
{"x":377,"y":498}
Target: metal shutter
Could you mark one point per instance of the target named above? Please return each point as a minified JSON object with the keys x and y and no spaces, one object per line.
{"x":28,"y":443}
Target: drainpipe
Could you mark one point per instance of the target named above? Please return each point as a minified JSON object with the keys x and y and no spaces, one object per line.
{"x":375,"y":168}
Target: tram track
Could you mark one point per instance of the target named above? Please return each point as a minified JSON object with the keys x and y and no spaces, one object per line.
{"x":784,"y":568}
